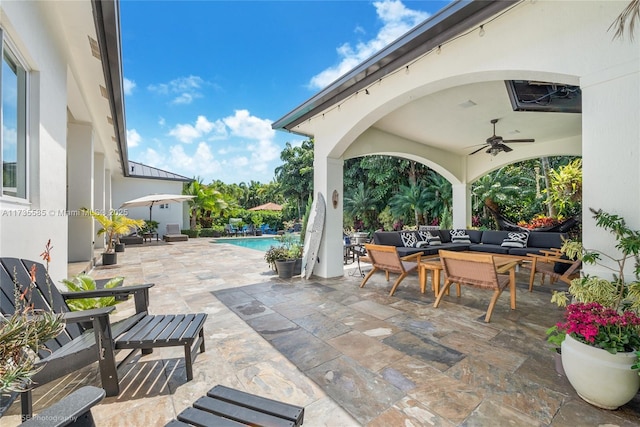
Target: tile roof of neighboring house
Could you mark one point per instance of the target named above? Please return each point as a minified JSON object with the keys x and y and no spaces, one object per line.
{"x":138,"y":170}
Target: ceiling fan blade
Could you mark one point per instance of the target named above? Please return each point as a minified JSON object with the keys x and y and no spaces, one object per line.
{"x":518,"y":140}
{"x":504,"y":148}
{"x":479,"y":149}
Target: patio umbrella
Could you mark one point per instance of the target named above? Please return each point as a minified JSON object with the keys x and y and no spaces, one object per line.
{"x":267,"y":207}
{"x":152,"y":199}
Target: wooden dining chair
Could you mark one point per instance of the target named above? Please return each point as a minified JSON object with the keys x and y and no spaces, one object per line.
{"x":479,"y":270}
{"x":386,"y":258}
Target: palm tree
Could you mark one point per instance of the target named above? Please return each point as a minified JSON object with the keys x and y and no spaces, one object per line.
{"x":630,"y":15}
{"x":410,"y":199}
{"x":206,"y":200}
{"x":361,"y":203}
{"x":494,"y":188}
{"x":440,"y":198}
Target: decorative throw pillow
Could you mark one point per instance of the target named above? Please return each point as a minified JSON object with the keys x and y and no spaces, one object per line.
{"x":409,"y":240}
{"x":422,"y":244}
{"x":460,"y":236}
{"x":429,"y":238}
{"x":516,"y":240}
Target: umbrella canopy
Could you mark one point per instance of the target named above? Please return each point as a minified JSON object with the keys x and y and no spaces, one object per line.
{"x":152,"y":199}
{"x":267,"y":207}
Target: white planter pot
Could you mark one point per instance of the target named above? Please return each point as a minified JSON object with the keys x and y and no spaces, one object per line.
{"x":603,"y":379}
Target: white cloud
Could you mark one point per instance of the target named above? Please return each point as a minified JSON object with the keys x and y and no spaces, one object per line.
{"x":245,"y":125}
{"x":199,"y":163}
{"x":396,"y":19}
{"x":184,"y":89}
{"x":128,"y":85}
{"x":133,"y":138}
{"x":187,"y":133}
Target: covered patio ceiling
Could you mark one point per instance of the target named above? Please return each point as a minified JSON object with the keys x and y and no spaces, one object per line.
{"x":458,"y":120}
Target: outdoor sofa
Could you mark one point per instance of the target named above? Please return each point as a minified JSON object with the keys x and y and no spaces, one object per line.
{"x":493,"y":241}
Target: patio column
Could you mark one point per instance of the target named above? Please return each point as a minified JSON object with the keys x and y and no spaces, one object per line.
{"x":79,"y":190}
{"x":610,"y":154}
{"x":99,"y":204}
{"x":327,"y":177}
{"x":461,"y":205}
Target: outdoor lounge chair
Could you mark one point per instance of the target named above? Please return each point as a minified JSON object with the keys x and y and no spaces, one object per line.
{"x":89,"y":336}
{"x":173,"y":234}
{"x":386,"y":258}
{"x":552,"y":264}
{"x":477,"y":270}
{"x":73,"y":410}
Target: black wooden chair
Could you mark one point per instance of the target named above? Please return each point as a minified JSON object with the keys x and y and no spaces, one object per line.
{"x":89,"y":336}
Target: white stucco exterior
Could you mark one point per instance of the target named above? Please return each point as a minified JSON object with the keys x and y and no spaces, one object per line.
{"x":75,"y":132}
{"x":555,"y":41}
{"x":131,"y":188}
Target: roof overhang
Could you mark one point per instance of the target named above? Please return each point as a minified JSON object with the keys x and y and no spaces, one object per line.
{"x":449,"y":22}
{"x":106,"y":14}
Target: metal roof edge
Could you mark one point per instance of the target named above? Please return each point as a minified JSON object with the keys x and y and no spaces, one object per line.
{"x":444,"y":25}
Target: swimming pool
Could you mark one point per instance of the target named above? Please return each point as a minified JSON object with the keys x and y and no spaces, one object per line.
{"x":257,"y":243}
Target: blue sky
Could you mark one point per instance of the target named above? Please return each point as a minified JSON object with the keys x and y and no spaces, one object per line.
{"x":204,"y":80}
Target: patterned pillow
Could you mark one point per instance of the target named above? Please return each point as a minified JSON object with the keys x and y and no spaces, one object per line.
{"x":409,"y":239}
{"x":460,"y":236}
{"x":516,"y":240}
{"x":429,"y":238}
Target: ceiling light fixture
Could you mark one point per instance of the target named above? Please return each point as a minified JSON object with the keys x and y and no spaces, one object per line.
{"x":494,"y":151}
{"x":439,"y":49}
{"x":366,"y":91}
{"x":481,"y":32}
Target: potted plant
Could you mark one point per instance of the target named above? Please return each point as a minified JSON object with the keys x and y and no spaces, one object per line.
{"x":286,"y":257}
{"x":113,"y":226}
{"x":23,"y":334}
{"x":602,"y":323}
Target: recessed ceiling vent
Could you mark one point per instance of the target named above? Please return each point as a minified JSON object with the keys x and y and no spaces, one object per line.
{"x":527,"y":95}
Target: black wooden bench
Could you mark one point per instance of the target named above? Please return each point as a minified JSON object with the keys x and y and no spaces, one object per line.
{"x":167,"y":330}
{"x":227,"y":407}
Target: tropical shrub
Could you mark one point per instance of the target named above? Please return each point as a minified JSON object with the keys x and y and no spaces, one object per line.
{"x":84,"y":282}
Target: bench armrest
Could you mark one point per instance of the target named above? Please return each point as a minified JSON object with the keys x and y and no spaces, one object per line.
{"x":140,"y":293}
{"x":72,"y":407}
{"x":86,"y":315}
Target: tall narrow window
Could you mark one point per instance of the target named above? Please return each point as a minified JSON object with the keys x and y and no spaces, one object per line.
{"x":13,"y":139}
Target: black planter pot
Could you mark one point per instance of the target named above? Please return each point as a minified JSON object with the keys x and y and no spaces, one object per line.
{"x":119,"y":247}
{"x":285,"y":268}
{"x":109,"y":258}
{"x":297,"y":268}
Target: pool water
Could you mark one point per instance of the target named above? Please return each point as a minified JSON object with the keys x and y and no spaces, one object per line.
{"x":257,"y":243}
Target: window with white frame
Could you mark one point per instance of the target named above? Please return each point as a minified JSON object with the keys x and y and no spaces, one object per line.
{"x":13,"y":116}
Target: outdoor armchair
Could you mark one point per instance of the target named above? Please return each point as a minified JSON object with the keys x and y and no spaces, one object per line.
{"x":386,"y":258}
{"x":477,"y":270}
{"x":554,"y":265}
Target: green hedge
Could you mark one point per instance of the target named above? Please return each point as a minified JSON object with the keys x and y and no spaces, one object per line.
{"x":191,"y":233}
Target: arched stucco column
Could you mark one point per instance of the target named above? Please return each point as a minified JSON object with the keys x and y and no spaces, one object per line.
{"x":327,"y":177}
{"x":611,"y":155}
{"x":461,"y":205}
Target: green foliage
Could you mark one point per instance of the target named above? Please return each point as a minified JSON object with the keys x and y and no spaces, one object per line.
{"x":206,"y":232}
{"x":410,"y":201}
{"x":207,"y":201}
{"x":295,"y":176}
{"x":84,"y":282}
{"x":114,"y":225}
{"x":191,"y":233}
{"x":565,"y":192}
{"x":150,"y":226}
{"x":275,"y":253}
{"x":617,"y":293}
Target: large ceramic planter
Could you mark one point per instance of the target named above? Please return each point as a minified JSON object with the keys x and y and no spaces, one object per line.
{"x":109,"y":258}
{"x":603,"y":379}
{"x":285,"y":268}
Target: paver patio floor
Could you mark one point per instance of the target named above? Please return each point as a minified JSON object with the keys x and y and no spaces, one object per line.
{"x":350,"y":356}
